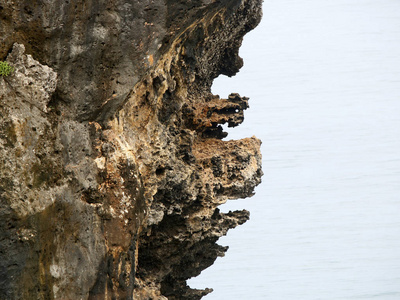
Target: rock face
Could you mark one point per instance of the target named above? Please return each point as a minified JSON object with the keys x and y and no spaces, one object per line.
{"x":112,"y":163}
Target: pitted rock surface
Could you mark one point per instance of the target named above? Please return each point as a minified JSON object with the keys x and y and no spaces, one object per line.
{"x":112,"y":163}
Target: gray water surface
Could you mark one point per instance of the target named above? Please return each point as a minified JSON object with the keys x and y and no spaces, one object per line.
{"x":323,"y":77}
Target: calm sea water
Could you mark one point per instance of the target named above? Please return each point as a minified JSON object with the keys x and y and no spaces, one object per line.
{"x":323,"y":77}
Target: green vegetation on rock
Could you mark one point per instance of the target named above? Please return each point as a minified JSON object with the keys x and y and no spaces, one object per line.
{"x":5,"y":69}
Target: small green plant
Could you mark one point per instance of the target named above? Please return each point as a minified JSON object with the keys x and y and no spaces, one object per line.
{"x":5,"y":69}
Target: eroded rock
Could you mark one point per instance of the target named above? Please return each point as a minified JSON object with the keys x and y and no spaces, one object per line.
{"x":111,"y":160}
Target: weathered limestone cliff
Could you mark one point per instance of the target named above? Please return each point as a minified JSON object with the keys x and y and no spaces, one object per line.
{"x":112,"y":163}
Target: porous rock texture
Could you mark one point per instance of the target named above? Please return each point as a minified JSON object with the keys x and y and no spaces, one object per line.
{"x":112,"y":163}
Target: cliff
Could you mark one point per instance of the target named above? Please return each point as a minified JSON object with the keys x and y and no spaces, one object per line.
{"x":112,"y":163}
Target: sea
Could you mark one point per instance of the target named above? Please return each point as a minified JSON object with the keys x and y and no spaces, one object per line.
{"x":323,"y":77}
